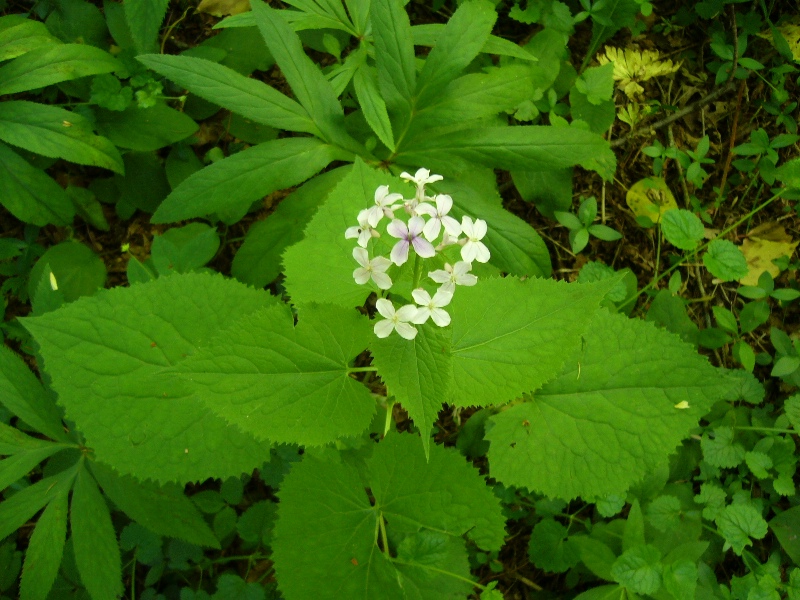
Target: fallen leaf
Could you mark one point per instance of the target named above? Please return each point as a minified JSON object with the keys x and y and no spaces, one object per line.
{"x":650,"y":197}
{"x":632,"y":67}
{"x":763,"y":244}
{"x":222,"y":8}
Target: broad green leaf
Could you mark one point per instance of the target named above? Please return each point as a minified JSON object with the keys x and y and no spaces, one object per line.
{"x":331,"y":278}
{"x":53,"y":64}
{"x":309,"y":85}
{"x":110,"y":376}
{"x":682,"y":228}
{"x":94,"y":540}
{"x":258,"y":259}
{"x":738,"y":523}
{"x":665,"y":513}
{"x":720,"y":450}
{"x":639,"y":569}
{"x":144,"y":19}
{"x":164,"y":510}
{"x":30,"y":194}
{"x":286,"y":383}
{"x":525,"y":148}
{"x":606,"y":592}
{"x":456,"y":47}
{"x":16,"y":510}
{"x":184,"y":249}
{"x":417,"y":373}
{"x":372,"y":105}
{"x":145,"y":129}
{"x":609,"y":417}
{"x":511,"y":336}
{"x":785,"y":527}
{"x":613,"y":16}
{"x":550,"y":548}
{"x":23,"y":395}
{"x":46,"y":546}
{"x":427,"y":35}
{"x":394,"y":55}
{"x":324,"y":506}
{"x":77,"y":269}
{"x":680,"y":579}
{"x":223,"y":86}
{"x":633,"y":534}
{"x":791,"y":407}
{"x":234,"y":183}
{"x":24,"y":36}
{"x":596,"y":555}
{"x":725,"y":261}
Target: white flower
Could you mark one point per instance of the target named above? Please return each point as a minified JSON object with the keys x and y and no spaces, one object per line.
{"x":374,"y":269}
{"x":383,"y":205}
{"x":432,"y":307}
{"x":472,"y":247}
{"x":451,"y":276}
{"x":447,"y":240}
{"x":409,"y":235}
{"x":420,"y":178}
{"x":395,"y":320}
{"x":364,"y":231}
{"x":439,"y":218}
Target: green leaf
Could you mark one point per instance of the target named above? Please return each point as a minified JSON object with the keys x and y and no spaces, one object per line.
{"x":324,"y":506}
{"x":791,"y":407}
{"x":184,"y":249}
{"x":394,"y":55}
{"x":785,"y":365}
{"x":23,"y":36}
{"x":682,"y":228}
{"x":639,"y":569}
{"x":665,"y":513}
{"x":233,"y":587}
{"x":94,"y":540}
{"x":738,"y":523}
{"x":31,"y":195}
{"x":234,"y":183}
{"x":596,"y":555}
{"x":164,"y":510}
{"x":57,"y":133}
{"x":78,"y":270}
{"x":591,"y":418}
{"x":427,"y":35}
{"x":25,"y":453}
{"x":54,"y":64}
{"x":597,"y":83}
{"x":242,"y":95}
{"x":633,"y":534}
{"x":725,"y":260}
{"x":23,"y":395}
{"x":680,"y":579}
{"x":456,"y":47}
{"x":286,"y":383}
{"x":720,"y":450}
{"x":144,"y":19}
{"x":525,"y":148}
{"x":331,"y":279}
{"x":373,"y":106}
{"x":551,"y":549}
{"x":145,"y":129}
{"x":759,"y":464}
{"x":46,"y":546}
{"x":785,"y":527}
{"x":111,"y":379}
{"x":613,"y":16}
{"x":531,"y":324}
{"x":606,"y":592}
{"x":417,"y":373}
{"x":258,"y":259}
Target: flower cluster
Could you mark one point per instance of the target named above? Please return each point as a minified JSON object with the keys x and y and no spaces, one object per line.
{"x":422,"y":224}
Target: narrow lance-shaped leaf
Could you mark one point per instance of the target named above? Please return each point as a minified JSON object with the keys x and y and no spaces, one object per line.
{"x":394,"y":55}
{"x":221,"y":85}
{"x":54,"y":64}
{"x":94,"y":540}
{"x":24,"y":36}
{"x":373,"y":106}
{"x":286,"y":383}
{"x":46,"y":546}
{"x":428,"y":34}
{"x":23,"y":453}
{"x":57,"y":133}
{"x":610,"y":417}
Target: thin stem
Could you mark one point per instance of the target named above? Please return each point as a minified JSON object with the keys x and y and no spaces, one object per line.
{"x":388,"y":424}
{"x":361,"y":369}
{"x":417,"y":270}
{"x":441,"y":571}
{"x":772,"y":429}
{"x":384,"y":539}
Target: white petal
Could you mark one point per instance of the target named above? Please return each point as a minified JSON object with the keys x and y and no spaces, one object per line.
{"x":480,"y":229}
{"x":399,"y":253}
{"x":449,"y":287}
{"x":383,"y":328}
{"x":374,"y":216}
{"x":451,"y":226}
{"x":361,"y":256}
{"x":352,"y":232}
{"x":364,"y":237}
{"x":380,"y":193}
{"x":469,"y":251}
{"x":423,"y":208}
{"x":385,"y":307}
{"x":443,"y":204}
{"x":461,"y":267}
{"x":466,"y":226}
{"x":406,"y":176}
{"x":423,"y":247}
{"x":415,"y":225}
{"x":468,"y":279}
{"x":439,"y":276}
{"x":421,"y":174}
{"x":363,"y":216}
{"x":421,"y":296}
{"x":440,"y":317}
{"x":407,"y":312}
{"x":432,"y":229}
{"x":406,"y":331}
{"x":380,"y":264}
{"x":382,"y":280}
{"x":423,"y":312}
{"x":397,"y":229}
{"x":361,"y":276}
{"x":442,"y":298}
{"x":482,"y":254}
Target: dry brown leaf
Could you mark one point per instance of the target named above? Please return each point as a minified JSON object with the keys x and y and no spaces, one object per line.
{"x":763,"y":244}
{"x":223,"y":8}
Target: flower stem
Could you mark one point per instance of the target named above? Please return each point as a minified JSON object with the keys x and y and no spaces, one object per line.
{"x":417,"y":270}
{"x":361,"y":369}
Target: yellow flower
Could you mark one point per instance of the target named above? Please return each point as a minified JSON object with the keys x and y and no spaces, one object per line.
{"x":631,"y":67}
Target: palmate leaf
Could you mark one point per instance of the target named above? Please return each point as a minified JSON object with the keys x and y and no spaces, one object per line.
{"x":46,"y":546}
{"x":286,"y":383}
{"x":22,"y":453}
{"x":511,"y":336}
{"x":394,"y":55}
{"x":609,"y":417}
{"x":110,"y":377}
{"x":427,"y":505}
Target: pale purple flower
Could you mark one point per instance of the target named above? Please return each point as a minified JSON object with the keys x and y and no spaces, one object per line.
{"x":374,"y":269}
{"x":420,"y":178}
{"x":438,"y":217}
{"x":364,"y":231}
{"x":409,"y":236}
{"x":472,"y":247}
{"x":458,"y":274}
{"x":395,"y":320}
{"x":383,"y":205}
{"x":432,"y":307}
